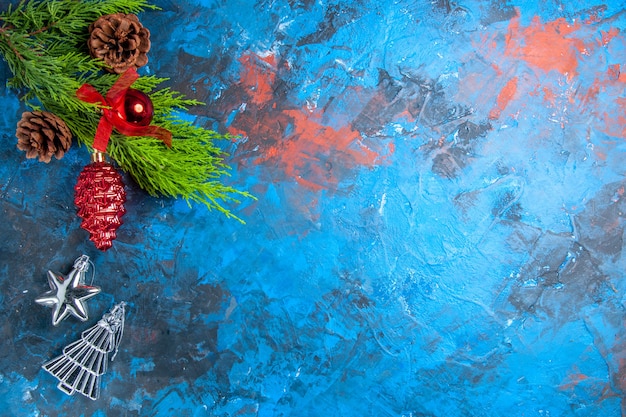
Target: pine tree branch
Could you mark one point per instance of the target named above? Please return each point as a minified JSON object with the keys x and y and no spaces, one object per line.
{"x":44,"y":44}
{"x":7,"y":38}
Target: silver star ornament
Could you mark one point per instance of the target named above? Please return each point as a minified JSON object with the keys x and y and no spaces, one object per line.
{"x":67,"y":294}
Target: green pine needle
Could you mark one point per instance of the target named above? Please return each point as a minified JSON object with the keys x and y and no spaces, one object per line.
{"x":44,"y":45}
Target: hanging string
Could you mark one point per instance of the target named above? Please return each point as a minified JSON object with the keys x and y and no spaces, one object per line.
{"x":93,"y":271}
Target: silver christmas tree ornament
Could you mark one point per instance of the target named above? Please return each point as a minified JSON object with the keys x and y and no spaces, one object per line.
{"x":67,"y":294}
{"x":84,"y":361}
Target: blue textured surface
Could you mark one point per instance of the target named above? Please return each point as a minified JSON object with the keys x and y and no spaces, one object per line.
{"x":438,"y":232}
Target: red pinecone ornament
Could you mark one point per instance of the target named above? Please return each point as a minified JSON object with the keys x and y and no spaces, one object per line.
{"x":100,"y":196}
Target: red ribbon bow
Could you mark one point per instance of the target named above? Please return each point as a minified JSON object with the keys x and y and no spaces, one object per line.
{"x":112,"y":112}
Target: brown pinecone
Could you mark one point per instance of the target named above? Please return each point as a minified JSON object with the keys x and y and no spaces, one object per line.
{"x":120,"y":40}
{"x":43,"y":134}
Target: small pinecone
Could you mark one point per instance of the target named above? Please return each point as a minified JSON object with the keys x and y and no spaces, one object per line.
{"x":120,"y":40}
{"x":100,"y":197}
{"x":43,"y":134}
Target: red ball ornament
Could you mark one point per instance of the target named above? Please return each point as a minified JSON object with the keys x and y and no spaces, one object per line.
{"x":100,"y":197}
{"x":138,"y":108}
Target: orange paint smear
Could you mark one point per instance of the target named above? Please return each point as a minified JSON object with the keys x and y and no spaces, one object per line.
{"x":615,"y":123}
{"x":258,"y":79}
{"x":548,"y":47}
{"x":504,"y":97}
{"x":314,"y":155}
{"x":592,"y":93}
{"x":614,"y":73}
{"x":313,"y":151}
{"x":609,"y":112}
{"x":478,"y":83}
{"x":573,"y":380}
{"x":549,"y":96}
{"x":607,"y":36}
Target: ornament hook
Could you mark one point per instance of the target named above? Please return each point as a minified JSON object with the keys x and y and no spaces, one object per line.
{"x":82,"y":263}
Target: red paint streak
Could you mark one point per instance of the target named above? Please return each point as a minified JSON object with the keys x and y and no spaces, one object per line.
{"x":270,"y":59}
{"x":613,"y":72}
{"x":312,"y":153}
{"x":607,"y":36}
{"x":614,"y":121}
{"x":602,"y":100}
{"x":477,"y":87}
{"x":258,"y":79}
{"x":621,"y":119}
{"x":549,"y":96}
{"x":504,"y":97}
{"x":550,"y":47}
{"x":592,"y":93}
{"x":295,"y":141}
{"x":573,"y":380}
{"x":595,"y":15}
{"x":236,"y":132}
